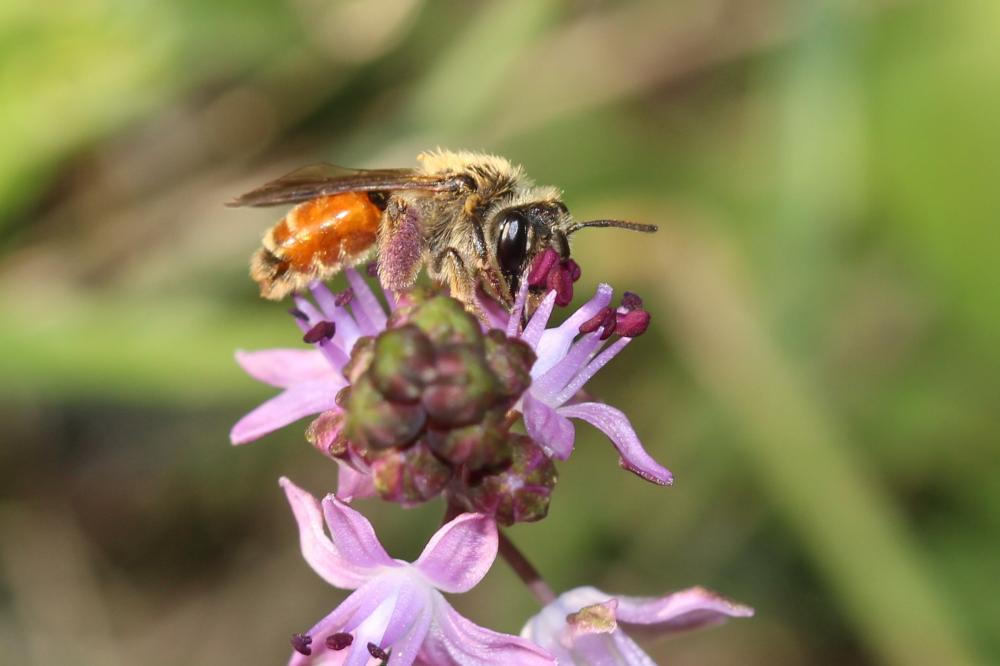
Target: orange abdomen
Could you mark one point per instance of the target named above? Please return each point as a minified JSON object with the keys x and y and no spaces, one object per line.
{"x":315,"y":240}
{"x":326,"y":231}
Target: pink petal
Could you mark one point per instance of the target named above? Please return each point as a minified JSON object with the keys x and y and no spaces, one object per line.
{"x":584,"y":375}
{"x":284,"y":367}
{"x":548,"y":386}
{"x":514,"y":321}
{"x":367,"y":310}
{"x":460,"y":553}
{"x":410,"y":622}
{"x":354,"y":536}
{"x":301,"y":400}
{"x":360,"y":604}
{"x":613,"y":423}
{"x":687,"y":609}
{"x":352,"y":556}
{"x":600,"y":300}
{"x":496,"y":316}
{"x":454,"y":640}
{"x":352,"y":484}
{"x":536,"y":325}
{"x":550,"y":430}
{"x":324,"y":298}
{"x":555,"y":342}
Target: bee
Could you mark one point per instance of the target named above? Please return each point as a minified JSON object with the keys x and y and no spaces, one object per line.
{"x":473,"y":220}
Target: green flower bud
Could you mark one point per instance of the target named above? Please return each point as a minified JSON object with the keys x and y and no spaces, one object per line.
{"x":409,"y":476}
{"x":477,"y":446}
{"x":446,"y":322}
{"x":376,"y":423}
{"x":510,"y":360}
{"x":464,"y":389}
{"x":403,"y":363}
{"x":518,"y":494}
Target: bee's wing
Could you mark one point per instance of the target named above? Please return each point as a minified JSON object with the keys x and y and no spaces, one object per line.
{"x":322,"y":179}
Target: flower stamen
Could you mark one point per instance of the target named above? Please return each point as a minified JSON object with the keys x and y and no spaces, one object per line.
{"x":301,"y":643}
{"x":606,"y":320}
{"x":377,"y":652}
{"x":339,"y":641}
{"x":323,"y":330}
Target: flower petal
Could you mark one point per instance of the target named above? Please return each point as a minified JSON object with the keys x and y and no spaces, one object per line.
{"x":354,"y":536}
{"x":352,"y":556}
{"x":687,"y":609}
{"x":352,"y":484}
{"x":460,"y":553}
{"x":410,"y":622}
{"x":555,"y":342}
{"x":360,"y":604}
{"x":296,"y":402}
{"x":284,"y":367}
{"x":584,"y":375}
{"x":496,"y":316}
{"x":613,"y":423}
{"x":367,"y":310}
{"x":514,"y":320}
{"x":550,"y":430}
{"x":536,"y":325}
{"x":549,"y":385}
{"x":454,"y":640}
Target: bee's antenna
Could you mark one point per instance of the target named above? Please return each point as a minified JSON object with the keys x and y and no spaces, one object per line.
{"x":618,"y":224}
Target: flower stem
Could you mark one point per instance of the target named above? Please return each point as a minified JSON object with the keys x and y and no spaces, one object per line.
{"x":525,"y":571}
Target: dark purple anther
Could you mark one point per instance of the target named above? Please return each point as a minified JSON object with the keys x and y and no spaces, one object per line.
{"x":540,"y":268}
{"x":339,"y":641}
{"x":301,"y":643}
{"x":631,"y":301}
{"x":574,"y":269}
{"x":344,"y":297}
{"x":372,"y":269}
{"x":298,"y":314}
{"x":605,"y":320}
{"x":377,"y":652}
{"x":633,"y":324}
{"x":560,"y":281}
{"x":324,"y":330}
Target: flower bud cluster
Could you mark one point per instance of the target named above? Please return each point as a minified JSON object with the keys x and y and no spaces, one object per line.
{"x":426,"y":412}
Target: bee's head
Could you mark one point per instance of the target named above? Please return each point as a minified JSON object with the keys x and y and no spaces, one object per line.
{"x":520,"y":232}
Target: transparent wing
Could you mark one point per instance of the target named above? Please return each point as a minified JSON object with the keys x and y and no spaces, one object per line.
{"x":322,"y":179}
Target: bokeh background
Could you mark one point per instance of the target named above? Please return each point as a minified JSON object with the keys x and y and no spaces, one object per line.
{"x":821,"y":374}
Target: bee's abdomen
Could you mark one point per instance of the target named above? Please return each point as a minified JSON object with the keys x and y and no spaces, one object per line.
{"x":314,"y":241}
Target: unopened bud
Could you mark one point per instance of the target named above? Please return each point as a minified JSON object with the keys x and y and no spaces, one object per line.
{"x":445,"y":321}
{"x":403,"y":363}
{"x":326,"y":434}
{"x":376,"y":423}
{"x":409,"y":476}
{"x":519,"y":494}
{"x":463,"y":390}
{"x":510,"y":360}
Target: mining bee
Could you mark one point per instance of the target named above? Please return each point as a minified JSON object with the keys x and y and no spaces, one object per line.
{"x":473,"y":219}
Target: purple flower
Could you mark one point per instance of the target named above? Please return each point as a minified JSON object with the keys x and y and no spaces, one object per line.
{"x":581,"y":627}
{"x":566,"y":360}
{"x":397,"y":607}
{"x":310,"y":378}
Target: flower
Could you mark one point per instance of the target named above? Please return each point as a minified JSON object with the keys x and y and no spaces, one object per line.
{"x":397,"y":608}
{"x":421,"y":400}
{"x":567,"y":356}
{"x":310,"y":378}
{"x":581,"y":626}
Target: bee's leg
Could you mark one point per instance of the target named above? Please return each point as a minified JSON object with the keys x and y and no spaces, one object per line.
{"x":401,"y":248}
{"x":448,"y":264}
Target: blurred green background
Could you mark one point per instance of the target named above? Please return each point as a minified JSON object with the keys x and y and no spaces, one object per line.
{"x":821,"y":374}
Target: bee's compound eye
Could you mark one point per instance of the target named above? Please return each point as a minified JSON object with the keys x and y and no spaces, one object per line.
{"x":512,"y":243}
